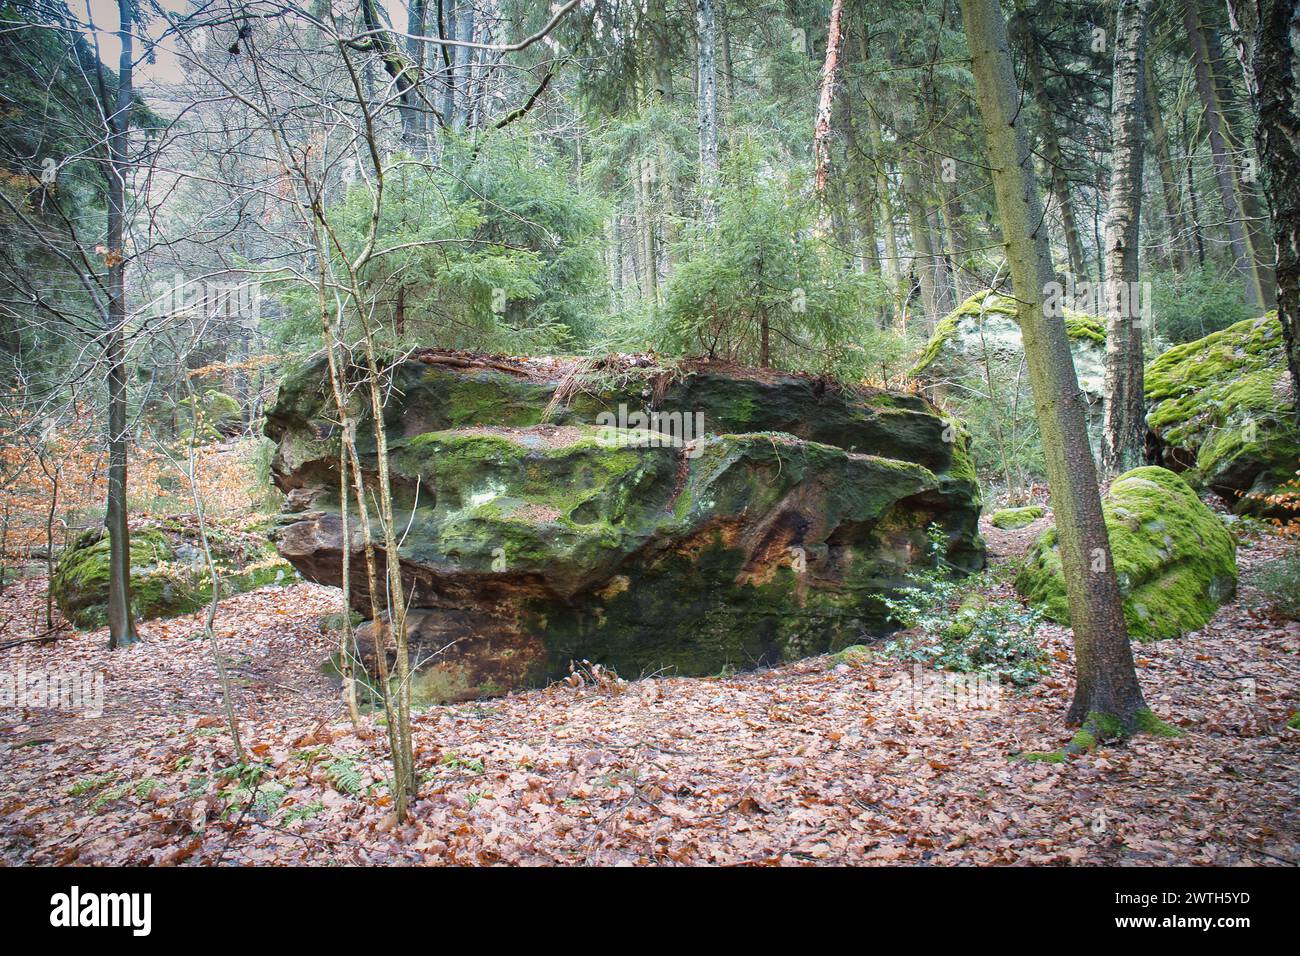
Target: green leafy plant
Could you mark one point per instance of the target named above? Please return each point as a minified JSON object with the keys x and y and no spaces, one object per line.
{"x":952,"y":626}
{"x":344,"y":775}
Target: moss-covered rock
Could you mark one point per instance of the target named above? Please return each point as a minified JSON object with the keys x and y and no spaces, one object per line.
{"x":215,"y":413}
{"x":169,"y":574}
{"x":1221,"y":409}
{"x":1175,"y":560}
{"x":772,"y":534}
{"x":1010,"y":519}
{"x":986,"y":326}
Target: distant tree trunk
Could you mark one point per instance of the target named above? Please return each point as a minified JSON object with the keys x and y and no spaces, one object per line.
{"x":1176,"y":224}
{"x":1124,"y":435}
{"x":728,"y":75}
{"x":1256,"y":223}
{"x":649,"y":255}
{"x":447,"y":30}
{"x":1270,"y":54}
{"x":826,"y":100}
{"x":1107,"y":694}
{"x":1054,"y":156}
{"x":121,"y":619}
{"x":892,"y":265}
{"x":863,"y":200}
{"x":1243,"y":255}
{"x":661,"y":52}
{"x":708,"y":111}
{"x":923,"y":249}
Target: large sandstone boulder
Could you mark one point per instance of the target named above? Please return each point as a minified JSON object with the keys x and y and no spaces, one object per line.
{"x":1175,"y":560}
{"x":985,"y":327}
{"x":1222,"y":410}
{"x":169,"y":571}
{"x":771,"y":533}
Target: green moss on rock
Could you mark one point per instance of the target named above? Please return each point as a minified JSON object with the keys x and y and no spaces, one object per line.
{"x":1010,"y":519}
{"x":169,"y":574}
{"x":1078,"y":326}
{"x":531,"y":544}
{"x":1175,"y":560}
{"x":1221,"y":408}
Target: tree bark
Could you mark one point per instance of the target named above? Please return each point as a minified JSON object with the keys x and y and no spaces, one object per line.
{"x":924,"y":257}
{"x":1107,"y":694}
{"x":1124,"y":434}
{"x":1243,"y":255}
{"x":892,"y":264}
{"x":121,"y":619}
{"x":1175,"y":222}
{"x":826,"y":100}
{"x":708,"y":110}
{"x":1270,"y":32}
{"x":1054,"y":156}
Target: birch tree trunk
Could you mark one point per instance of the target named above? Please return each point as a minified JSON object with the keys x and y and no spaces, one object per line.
{"x":1124,"y":434}
{"x":1107,"y":696}
{"x":708,"y":110}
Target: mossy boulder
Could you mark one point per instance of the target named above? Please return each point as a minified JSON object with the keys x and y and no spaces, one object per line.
{"x":986,"y":328}
{"x":1175,"y":560}
{"x":1221,"y":409}
{"x":169,"y":574}
{"x":215,"y":413}
{"x":771,"y":532}
{"x":1012,"y":519}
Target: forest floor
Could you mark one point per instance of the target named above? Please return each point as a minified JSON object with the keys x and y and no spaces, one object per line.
{"x":815,"y":762}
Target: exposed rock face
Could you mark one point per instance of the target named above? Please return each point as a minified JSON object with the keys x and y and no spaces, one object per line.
{"x":169,"y":572}
{"x":985,"y":325}
{"x":1221,"y":409}
{"x":1175,"y":560}
{"x":769,"y":536}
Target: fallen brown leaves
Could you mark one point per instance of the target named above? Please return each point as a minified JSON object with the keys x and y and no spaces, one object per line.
{"x":803,"y":764}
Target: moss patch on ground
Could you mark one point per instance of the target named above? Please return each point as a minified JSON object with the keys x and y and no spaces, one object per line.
{"x":1010,"y":519}
{"x":1175,"y":560}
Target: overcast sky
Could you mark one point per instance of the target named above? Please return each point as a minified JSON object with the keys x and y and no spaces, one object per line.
{"x":103,"y":13}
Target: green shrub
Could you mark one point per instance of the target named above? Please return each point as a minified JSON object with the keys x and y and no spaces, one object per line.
{"x":955,"y":627}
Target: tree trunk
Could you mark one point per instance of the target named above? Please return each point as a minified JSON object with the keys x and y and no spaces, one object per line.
{"x":1107,"y":694}
{"x":1177,"y":250}
{"x":1256,"y":223}
{"x":1124,"y":435}
{"x":923,"y":252}
{"x":1055,"y":158}
{"x":728,"y":74}
{"x":708,"y":111}
{"x":121,"y":619}
{"x":1243,"y":255}
{"x":826,"y":100}
{"x":892,"y":264}
{"x":1270,"y":31}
